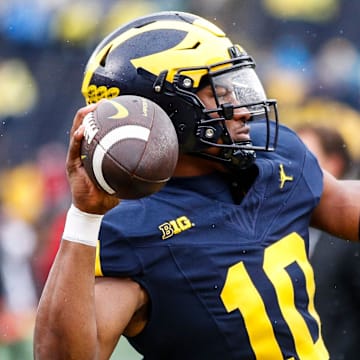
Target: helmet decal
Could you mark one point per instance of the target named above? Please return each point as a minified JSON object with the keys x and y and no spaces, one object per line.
{"x":156,"y":57}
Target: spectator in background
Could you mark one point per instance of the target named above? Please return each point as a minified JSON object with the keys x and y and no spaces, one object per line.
{"x":18,"y":297}
{"x":336,"y":266}
{"x":49,"y":160}
{"x":329,"y":147}
{"x":48,"y":247}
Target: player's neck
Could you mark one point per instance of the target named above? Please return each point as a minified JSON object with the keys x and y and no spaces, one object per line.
{"x":194,"y":166}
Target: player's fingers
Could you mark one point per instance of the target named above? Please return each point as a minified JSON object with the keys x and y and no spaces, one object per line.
{"x":79,"y":117}
{"x":76,"y":135}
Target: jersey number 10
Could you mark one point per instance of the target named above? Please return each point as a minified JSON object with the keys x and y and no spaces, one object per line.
{"x":240,"y":293}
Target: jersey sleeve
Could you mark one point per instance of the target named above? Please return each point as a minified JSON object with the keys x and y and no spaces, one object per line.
{"x":116,"y":255}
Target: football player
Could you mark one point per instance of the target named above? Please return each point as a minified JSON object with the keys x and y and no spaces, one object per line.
{"x":215,"y":265}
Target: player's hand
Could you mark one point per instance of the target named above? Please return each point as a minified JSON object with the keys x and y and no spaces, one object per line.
{"x":86,"y":196}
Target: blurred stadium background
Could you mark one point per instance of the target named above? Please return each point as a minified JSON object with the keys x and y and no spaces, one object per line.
{"x":307,"y":53}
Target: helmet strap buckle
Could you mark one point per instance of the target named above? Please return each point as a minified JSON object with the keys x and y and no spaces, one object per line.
{"x":159,"y":82}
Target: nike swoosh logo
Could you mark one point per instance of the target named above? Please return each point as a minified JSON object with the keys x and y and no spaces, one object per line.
{"x":121,"y":111}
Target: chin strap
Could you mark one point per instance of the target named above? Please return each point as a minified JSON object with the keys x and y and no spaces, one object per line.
{"x":233,"y":160}
{"x":239,"y":159}
{"x":243,"y":159}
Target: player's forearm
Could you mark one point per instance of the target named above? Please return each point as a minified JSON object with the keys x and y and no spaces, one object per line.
{"x":66,"y":325}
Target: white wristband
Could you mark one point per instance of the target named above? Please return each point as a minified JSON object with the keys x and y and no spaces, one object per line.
{"x":82,"y":227}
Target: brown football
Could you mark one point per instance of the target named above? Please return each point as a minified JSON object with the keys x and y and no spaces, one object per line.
{"x":130,"y":146}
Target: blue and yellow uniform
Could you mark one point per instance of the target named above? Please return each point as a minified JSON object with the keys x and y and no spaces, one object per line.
{"x":225,"y":280}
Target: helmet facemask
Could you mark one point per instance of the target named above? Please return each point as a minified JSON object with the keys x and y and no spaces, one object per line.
{"x":241,"y":88}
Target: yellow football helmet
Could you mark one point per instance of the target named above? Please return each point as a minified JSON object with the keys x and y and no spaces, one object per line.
{"x":167,"y":57}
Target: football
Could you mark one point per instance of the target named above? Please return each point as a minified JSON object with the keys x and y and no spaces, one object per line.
{"x":130,"y":147}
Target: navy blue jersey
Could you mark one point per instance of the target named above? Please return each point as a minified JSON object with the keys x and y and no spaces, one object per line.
{"x":225,"y":280}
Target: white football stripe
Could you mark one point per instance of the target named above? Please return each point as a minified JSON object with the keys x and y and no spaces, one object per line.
{"x":114,"y":136}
